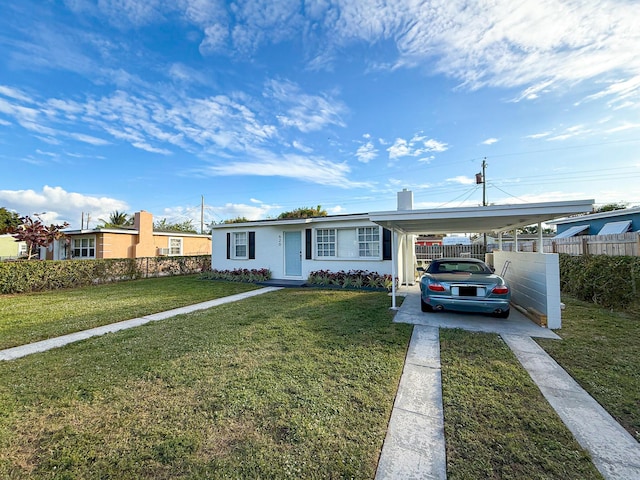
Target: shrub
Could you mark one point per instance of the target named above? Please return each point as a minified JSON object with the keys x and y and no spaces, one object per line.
{"x":36,"y":275}
{"x":351,"y":279}
{"x":239,"y":275}
{"x":609,"y":281}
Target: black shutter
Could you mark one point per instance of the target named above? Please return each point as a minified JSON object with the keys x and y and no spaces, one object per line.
{"x":252,"y":245}
{"x":228,"y":245}
{"x":386,"y":244}
{"x":308,"y":244}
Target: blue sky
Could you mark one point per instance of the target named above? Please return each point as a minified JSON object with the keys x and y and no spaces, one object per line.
{"x":266,"y":106}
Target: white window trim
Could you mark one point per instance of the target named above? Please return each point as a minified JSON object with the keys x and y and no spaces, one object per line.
{"x":235,"y":244}
{"x":356,"y":257}
{"x":87,"y":237}
{"x":379,"y":242}
{"x":180,"y":240}
{"x":335,"y":244}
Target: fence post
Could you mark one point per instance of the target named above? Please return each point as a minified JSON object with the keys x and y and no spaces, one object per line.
{"x":585,"y":245}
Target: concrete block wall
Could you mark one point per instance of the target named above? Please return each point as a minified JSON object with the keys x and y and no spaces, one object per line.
{"x":535,"y":282}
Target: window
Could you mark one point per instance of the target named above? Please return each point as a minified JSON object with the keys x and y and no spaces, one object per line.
{"x":368,"y":242}
{"x":84,"y":247}
{"x":175,"y":246}
{"x":355,"y":243}
{"x":240,"y":245}
{"x":326,"y":242}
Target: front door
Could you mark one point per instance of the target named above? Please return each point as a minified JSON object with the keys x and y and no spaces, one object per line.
{"x":293,"y":254}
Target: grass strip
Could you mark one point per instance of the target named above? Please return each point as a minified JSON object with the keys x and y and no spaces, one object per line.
{"x":26,"y":318}
{"x":601,"y":350}
{"x":497,"y":423}
{"x":291,"y":384}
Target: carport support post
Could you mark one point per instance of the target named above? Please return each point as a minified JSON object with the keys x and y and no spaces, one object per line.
{"x":540,"y":240}
{"x":394,"y":256}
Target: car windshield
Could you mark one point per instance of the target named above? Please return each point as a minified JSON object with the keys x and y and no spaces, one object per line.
{"x":455,"y":266}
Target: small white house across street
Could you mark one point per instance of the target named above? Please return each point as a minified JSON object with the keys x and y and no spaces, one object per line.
{"x":383,"y":242}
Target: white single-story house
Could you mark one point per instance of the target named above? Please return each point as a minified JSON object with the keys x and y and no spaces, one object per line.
{"x":383,"y":242}
{"x":291,"y":249}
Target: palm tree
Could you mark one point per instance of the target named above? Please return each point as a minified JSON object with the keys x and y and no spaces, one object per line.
{"x":116,"y":220}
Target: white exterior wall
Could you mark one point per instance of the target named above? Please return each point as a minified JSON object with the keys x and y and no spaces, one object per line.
{"x":270,"y":253}
{"x":534,"y":279}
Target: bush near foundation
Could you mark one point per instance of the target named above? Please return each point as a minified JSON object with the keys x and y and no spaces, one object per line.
{"x":39,"y":275}
{"x":351,"y":279}
{"x":612,"y":282}
{"x":239,"y":275}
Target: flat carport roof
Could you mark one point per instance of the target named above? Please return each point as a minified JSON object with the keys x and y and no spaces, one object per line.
{"x":481,"y":219}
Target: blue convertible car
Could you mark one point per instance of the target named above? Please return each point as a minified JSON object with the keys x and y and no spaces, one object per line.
{"x":464,"y":285}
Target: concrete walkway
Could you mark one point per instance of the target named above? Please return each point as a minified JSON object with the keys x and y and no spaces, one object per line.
{"x":44,"y":345}
{"x":415,"y":445}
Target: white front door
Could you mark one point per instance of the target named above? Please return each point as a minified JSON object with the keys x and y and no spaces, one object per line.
{"x":293,"y":254}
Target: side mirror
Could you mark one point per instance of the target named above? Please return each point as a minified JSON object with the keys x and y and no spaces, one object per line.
{"x":420,"y":269}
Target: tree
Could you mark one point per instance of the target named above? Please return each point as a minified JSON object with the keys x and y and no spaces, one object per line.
{"x":609,"y":207}
{"x":237,"y":220}
{"x":116,"y":220}
{"x":183,"y":227}
{"x":35,"y":234}
{"x":8,"y":220}
{"x":533,"y":230}
{"x":304,"y":212}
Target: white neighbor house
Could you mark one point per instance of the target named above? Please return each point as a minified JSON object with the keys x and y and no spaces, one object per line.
{"x":293,"y":248}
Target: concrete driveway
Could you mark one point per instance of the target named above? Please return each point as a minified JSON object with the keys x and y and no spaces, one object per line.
{"x":415,"y":444}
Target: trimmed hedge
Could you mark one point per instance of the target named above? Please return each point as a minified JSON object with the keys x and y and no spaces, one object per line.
{"x":35,"y":275}
{"x":609,"y":281}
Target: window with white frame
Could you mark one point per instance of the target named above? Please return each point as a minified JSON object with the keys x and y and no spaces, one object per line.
{"x":240,"y":245}
{"x":175,"y":246}
{"x":326,"y":242}
{"x":84,"y":247}
{"x":360,"y":242}
{"x":369,"y":242}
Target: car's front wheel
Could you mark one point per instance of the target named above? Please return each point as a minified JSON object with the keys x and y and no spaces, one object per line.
{"x":425,"y":307}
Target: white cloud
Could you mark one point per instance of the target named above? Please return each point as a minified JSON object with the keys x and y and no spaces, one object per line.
{"x":307,"y":169}
{"x":215,"y":39}
{"x":229,"y":211}
{"x":305,"y":112}
{"x":417,"y":146}
{"x":366,"y":152}
{"x":462,"y":179}
{"x":60,"y":205}
{"x":300,"y":146}
{"x":490,"y":141}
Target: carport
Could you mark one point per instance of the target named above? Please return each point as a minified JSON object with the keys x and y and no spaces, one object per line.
{"x":534,"y":277}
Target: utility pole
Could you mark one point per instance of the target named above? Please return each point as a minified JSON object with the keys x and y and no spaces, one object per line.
{"x":481,"y":178}
{"x":484,"y":182}
{"x":202,"y":214}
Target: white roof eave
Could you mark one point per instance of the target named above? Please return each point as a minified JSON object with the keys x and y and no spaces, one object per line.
{"x":482,"y":219}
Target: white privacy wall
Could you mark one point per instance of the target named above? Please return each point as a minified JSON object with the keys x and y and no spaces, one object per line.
{"x":535,"y":281}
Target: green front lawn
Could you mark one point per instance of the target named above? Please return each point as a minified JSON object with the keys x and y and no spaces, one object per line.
{"x":497,"y":423}
{"x":27,"y":318}
{"x":601,"y":350}
{"x":290,"y":384}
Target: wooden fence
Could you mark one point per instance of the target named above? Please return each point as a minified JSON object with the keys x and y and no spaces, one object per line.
{"x":614,"y":245}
